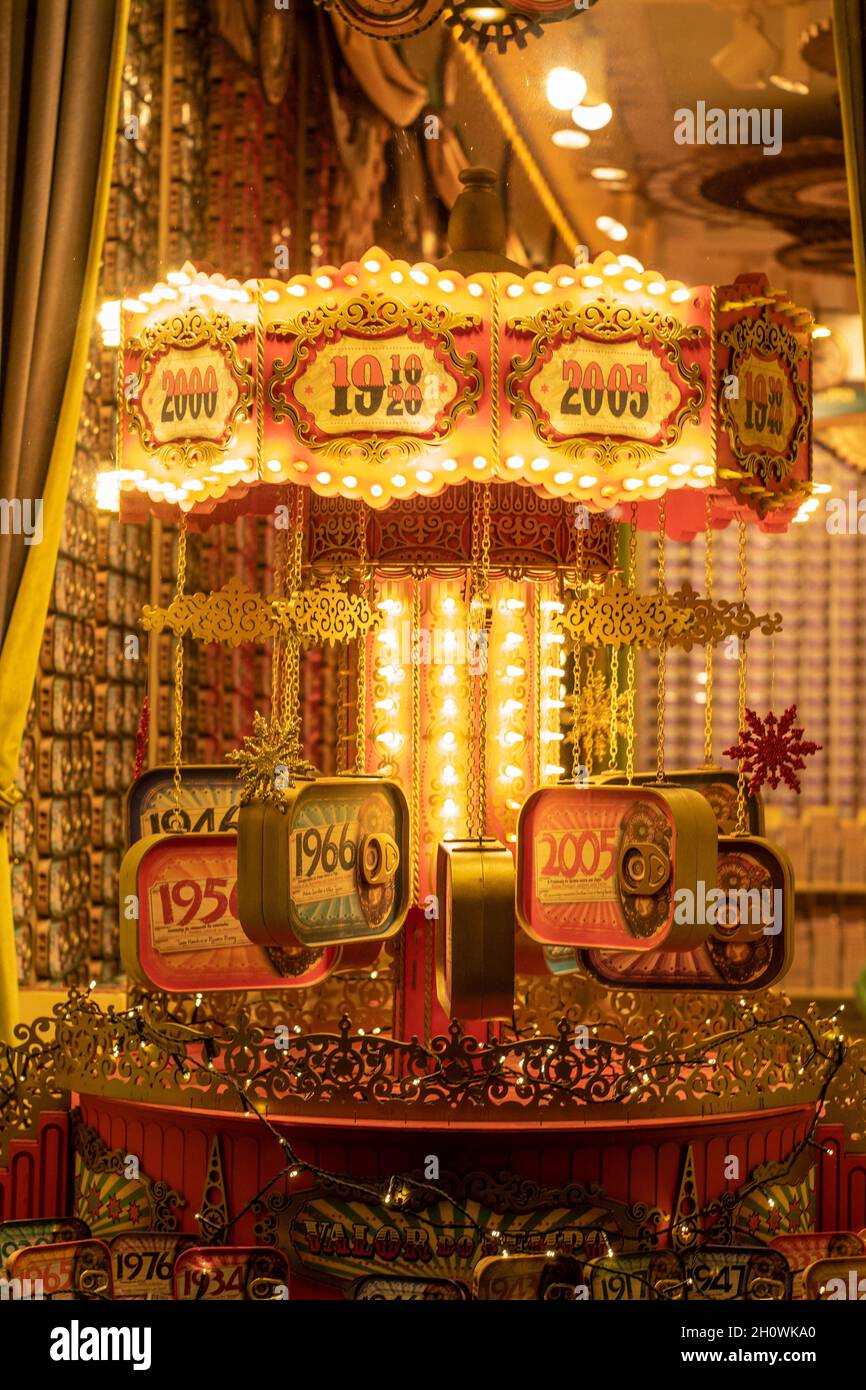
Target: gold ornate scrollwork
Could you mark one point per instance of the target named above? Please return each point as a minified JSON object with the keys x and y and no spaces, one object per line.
{"x":187,"y":331}
{"x":234,"y":614}
{"x":329,"y":613}
{"x":605,"y":321}
{"x":617,"y":616}
{"x":714,"y":620}
{"x":375,"y":316}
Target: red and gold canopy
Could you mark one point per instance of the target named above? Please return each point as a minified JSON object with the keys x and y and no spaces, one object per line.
{"x":377,"y":380}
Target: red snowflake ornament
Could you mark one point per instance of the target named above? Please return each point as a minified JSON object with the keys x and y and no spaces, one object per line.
{"x":772,"y":750}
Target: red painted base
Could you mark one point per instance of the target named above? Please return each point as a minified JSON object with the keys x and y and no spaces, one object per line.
{"x":635,"y":1163}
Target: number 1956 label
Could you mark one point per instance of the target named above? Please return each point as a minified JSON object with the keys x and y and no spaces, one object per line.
{"x":195,"y":914}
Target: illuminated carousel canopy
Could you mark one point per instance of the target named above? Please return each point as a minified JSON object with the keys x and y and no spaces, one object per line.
{"x":378,"y":380}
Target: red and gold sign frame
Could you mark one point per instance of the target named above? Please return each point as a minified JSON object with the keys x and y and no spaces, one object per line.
{"x":381,"y":380}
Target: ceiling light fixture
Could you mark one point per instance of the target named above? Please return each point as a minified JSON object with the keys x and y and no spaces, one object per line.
{"x":566,"y":88}
{"x":607,"y":174}
{"x":611,"y":228}
{"x":592,"y":117}
{"x":570,"y":139}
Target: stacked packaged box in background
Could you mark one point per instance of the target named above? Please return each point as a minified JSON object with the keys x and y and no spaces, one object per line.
{"x":828,"y":852}
{"x":65,"y":699}
{"x":22,"y":851}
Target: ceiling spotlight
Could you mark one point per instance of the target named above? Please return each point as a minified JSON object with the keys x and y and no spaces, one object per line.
{"x":592,"y":117}
{"x":566,"y":88}
{"x":749,"y":59}
{"x":570,"y":139}
{"x":607,"y":174}
{"x":611,"y":228}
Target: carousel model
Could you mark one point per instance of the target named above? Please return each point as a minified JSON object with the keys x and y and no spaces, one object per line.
{"x":575,"y":1096}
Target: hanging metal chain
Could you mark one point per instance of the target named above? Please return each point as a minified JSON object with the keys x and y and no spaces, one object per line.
{"x":630,"y":675}
{"x":576,"y":657}
{"x":661,"y":693}
{"x":177,"y":814}
{"x":614,"y":707}
{"x":587,"y":723}
{"x":291,"y":687}
{"x":279,"y":652}
{"x":361,"y":655}
{"x":479,"y":625}
{"x":708,"y":586}
{"x":742,"y":570}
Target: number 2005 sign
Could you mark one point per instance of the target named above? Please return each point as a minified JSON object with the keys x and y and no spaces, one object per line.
{"x":604,"y":864}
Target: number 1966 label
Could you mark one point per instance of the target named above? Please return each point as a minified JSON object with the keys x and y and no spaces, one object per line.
{"x":323,"y":861}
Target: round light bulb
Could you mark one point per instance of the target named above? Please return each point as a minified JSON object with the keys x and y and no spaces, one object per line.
{"x":566,"y":88}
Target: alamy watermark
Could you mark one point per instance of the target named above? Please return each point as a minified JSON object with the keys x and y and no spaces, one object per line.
{"x":22,"y":518}
{"x":737,"y":126}
{"x":21,"y":1290}
{"x":731,"y":907}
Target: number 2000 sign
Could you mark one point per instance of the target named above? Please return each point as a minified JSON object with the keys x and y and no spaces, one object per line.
{"x":589,"y":389}
{"x":192,"y":393}
{"x":368,"y":380}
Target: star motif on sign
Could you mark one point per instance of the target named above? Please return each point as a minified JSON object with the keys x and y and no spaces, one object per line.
{"x":772,"y":750}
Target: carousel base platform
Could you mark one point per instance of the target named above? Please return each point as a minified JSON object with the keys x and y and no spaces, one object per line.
{"x":471,"y":1188}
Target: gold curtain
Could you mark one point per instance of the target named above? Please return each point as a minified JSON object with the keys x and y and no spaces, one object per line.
{"x":849,"y":34}
{"x":60,"y":77}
